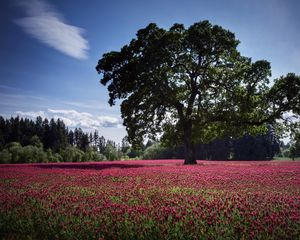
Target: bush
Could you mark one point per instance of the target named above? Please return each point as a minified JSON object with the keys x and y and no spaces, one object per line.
{"x":294,"y":151}
{"x":53,"y":157}
{"x":157,"y":151}
{"x":134,"y":153}
{"x":5,"y":156}
{"x":92,"y":155}
{"x":35,"y":141}
{"x":16,"y":151}
{"x":72,"y":154}
{"x":33,"y":154}
{"x":111,"y":153}
{"x":285,"y":153}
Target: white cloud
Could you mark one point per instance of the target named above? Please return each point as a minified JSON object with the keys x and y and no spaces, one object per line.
{"x":31,"y":114}
{"x":107,"y":121}
{"x":69,"y":112}
{"x":73,"y":119}
{"x":84,"y":120}
{"x":47,"y":25}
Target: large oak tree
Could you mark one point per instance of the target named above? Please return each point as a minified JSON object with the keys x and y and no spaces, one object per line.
{"x":192,"y":85}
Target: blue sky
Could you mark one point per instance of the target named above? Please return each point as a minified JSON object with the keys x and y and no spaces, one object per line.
{"x":49,"y":49}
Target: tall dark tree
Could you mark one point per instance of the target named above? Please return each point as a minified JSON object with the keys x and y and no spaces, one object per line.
{"x":84,"y":142}
{"x":39,"y":130}
{"x":27,"y":130}
{"x":91,"y":138}
{"x":96,"y":138}
{"x":101,"y":144}
{"x":81,"y":139}
{"x":2,"y":132}
{"x":219,"y":149}
{"x":46,"y":137}
{"x":260,"y":147}
{"x":77,"y":135}
{"x":125,"y":144}
{"x":71,"y":138}
{"x":295,"y":141}
{"x":191,"y":84}
{"x":62,"y":134}
{"x":15,"y":134}
{"x":53,"y":135}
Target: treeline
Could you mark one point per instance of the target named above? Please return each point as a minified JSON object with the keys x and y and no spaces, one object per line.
{"x":261,"y":147}
{"x":23,"y":140}
{"x":27,"y":141}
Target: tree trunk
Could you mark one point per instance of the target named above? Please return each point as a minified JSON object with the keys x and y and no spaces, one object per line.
{"x":189,"y":153}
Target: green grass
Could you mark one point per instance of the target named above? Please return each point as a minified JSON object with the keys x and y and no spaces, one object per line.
{"x":285,"y":159}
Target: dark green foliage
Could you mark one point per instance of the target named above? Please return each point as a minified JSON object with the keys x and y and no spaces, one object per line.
{"x":35,"y":141}
{"x":26,"y":141}
{"x":214,"y":150}
{"x":33,"y":154}
{"x":52,"y":135}
{"x":101,"y":144}
{"x":254,"y":148}
{"x":53,"y":157}
{"x":15,"y":153}
{"x":193,"y":86}
{"x":5,"y":156}
{"x":260,"y":147}
{"x":71,"y":138}
{"x":125,"y":145}
{"x":294,"y":150}
{"x":81,"y":139}
{"x":112,"y":152}
{"x":157,"y":151}
{"x":92,"y":155}
{"x":15,"y":150}
{"x":72,"y":154}
{"x":134,"y":153}
{"x":285,"y":94}
{"x":99,"y":149}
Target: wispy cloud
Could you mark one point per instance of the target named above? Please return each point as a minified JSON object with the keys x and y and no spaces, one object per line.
{"x":46,"y":24}
{"x":73,"y":118}
{"x":20,"y":100}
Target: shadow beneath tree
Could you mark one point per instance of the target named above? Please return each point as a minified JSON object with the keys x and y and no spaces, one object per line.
{"x":94,"y":166}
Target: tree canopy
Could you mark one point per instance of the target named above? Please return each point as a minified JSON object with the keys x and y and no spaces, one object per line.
{"x":192,"y":85}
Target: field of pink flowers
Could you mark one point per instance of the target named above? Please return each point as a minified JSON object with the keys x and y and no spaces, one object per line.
{"x":151,"y":200}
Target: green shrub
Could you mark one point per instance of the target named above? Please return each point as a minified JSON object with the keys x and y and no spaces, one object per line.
{"x":111,"y":153}
{"x":33,"y":154}
{"x":53,"y":157}
{"x":16,"y":151}
{"x":92,"y":155}
{"x":157,"y":151}
{"x":35,"y":141}
{"x":72,"y":154}
{"x":5,"y":156}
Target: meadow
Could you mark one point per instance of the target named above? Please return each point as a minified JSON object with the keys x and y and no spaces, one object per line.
{"x":151,"y":199}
